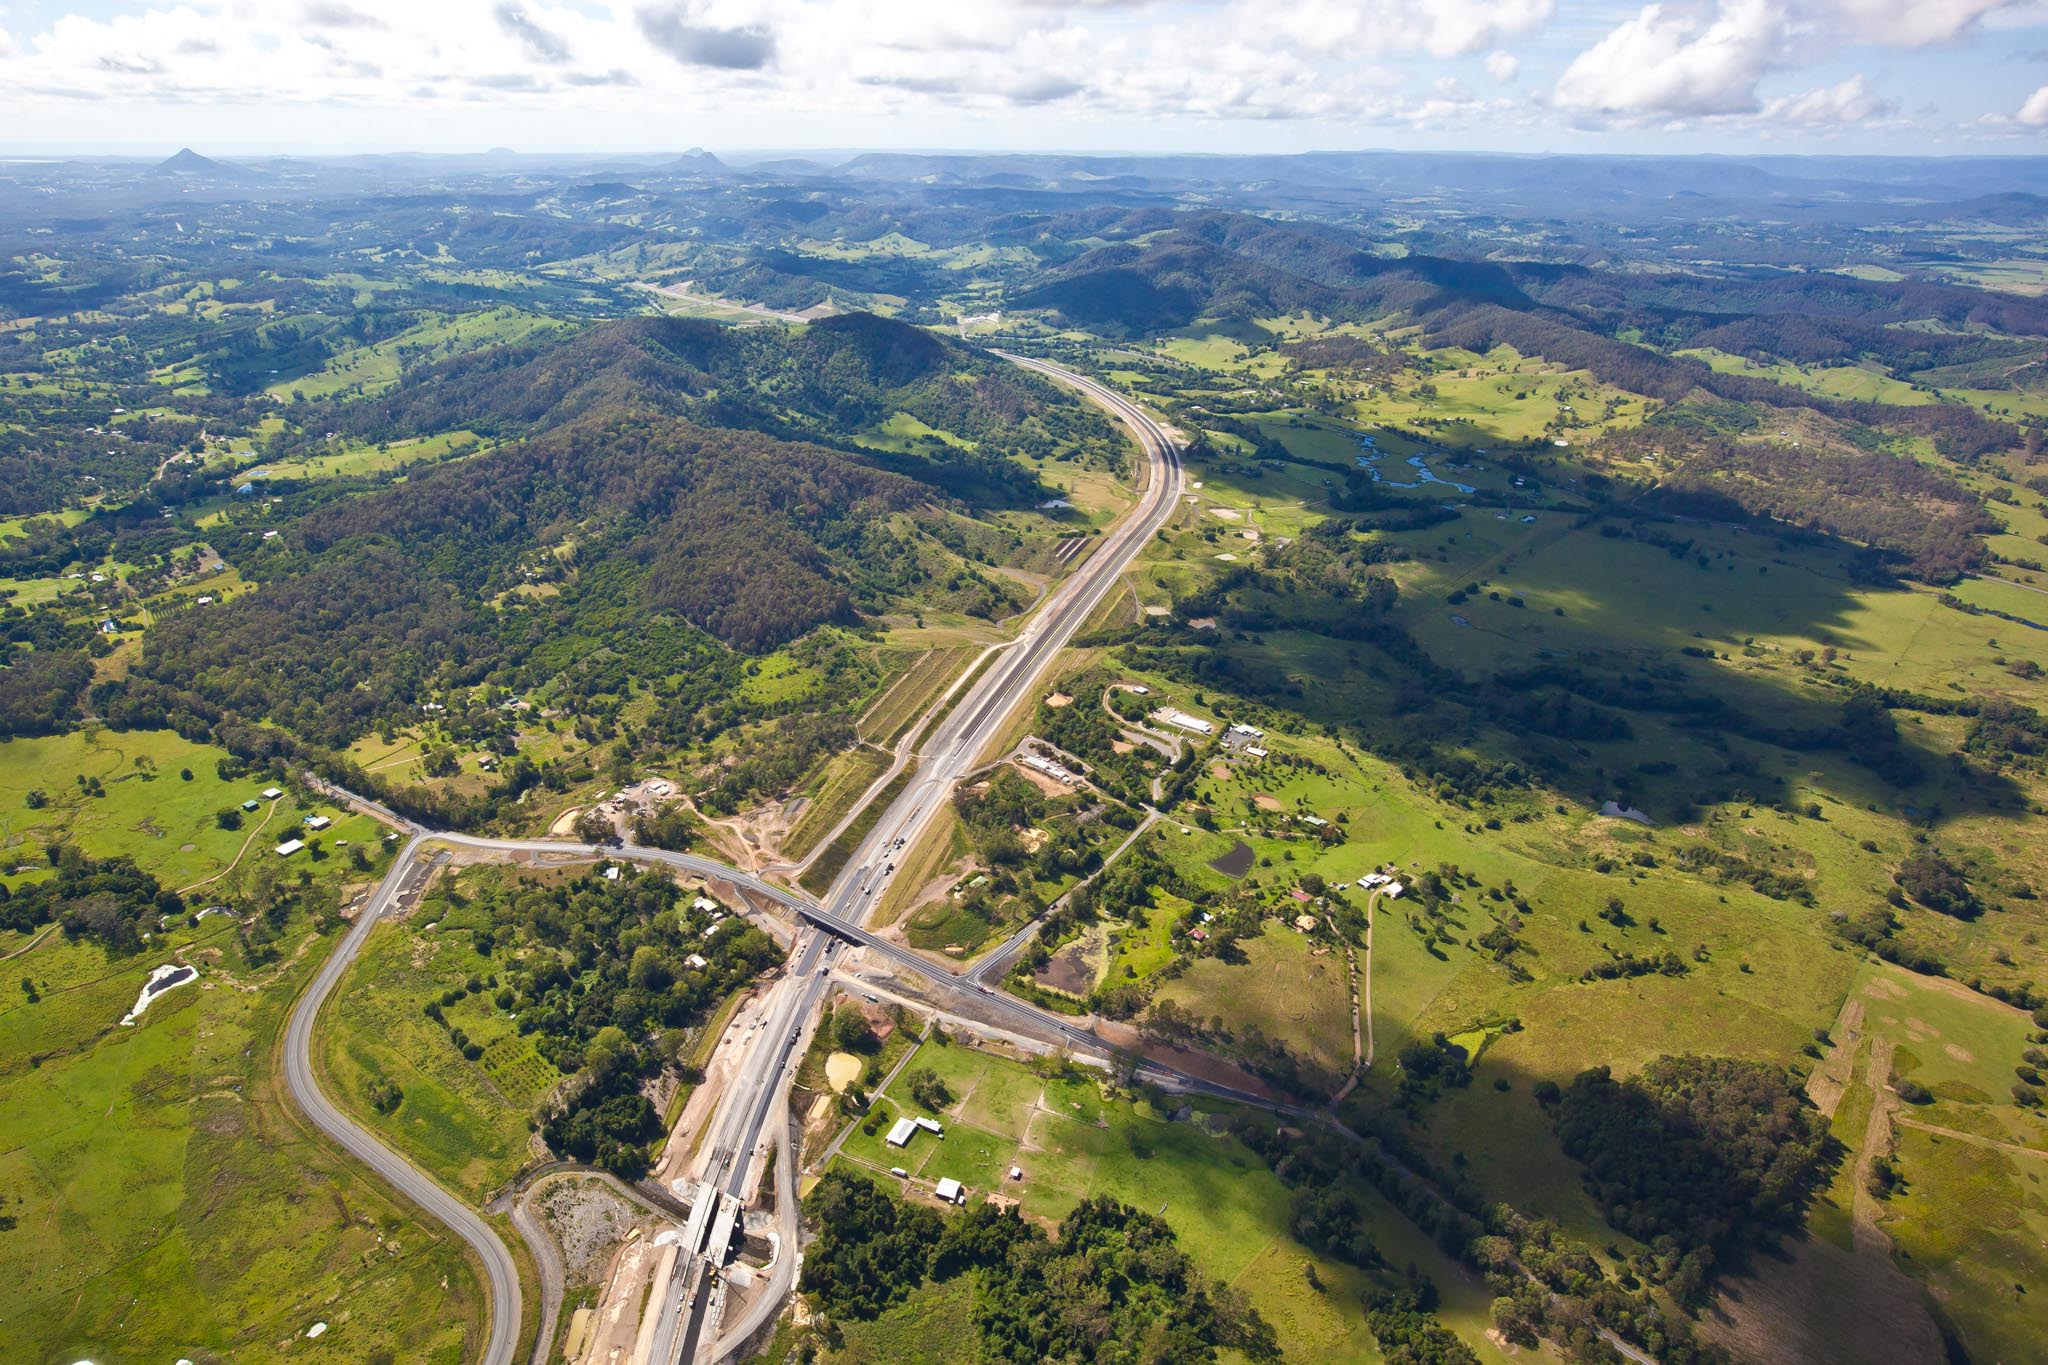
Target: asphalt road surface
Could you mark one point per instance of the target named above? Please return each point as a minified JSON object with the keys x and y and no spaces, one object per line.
{"x":751,"y":1100}
{"x":501,"y":1274}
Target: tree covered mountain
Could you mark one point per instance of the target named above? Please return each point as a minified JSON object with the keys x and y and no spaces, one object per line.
{"x":623,"y":540}
{"x":827,"y":383}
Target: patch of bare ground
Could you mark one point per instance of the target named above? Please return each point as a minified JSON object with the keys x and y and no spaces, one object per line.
{"x":589,"y":1222}
{"x":1265,"y":802}
{"x":1813,"y":1302}
{"x":1192,"y":1062}
{"x":1046,"y":783}
{"x":1069,"y":970}
{"x":1831,"y":1078}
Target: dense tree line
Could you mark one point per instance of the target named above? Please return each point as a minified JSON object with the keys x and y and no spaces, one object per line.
{"x":40,"y":690}
{"x":1921,"y":518}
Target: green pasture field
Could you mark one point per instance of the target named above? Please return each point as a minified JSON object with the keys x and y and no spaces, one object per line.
{"x":2013,"y":276}
{"x":1228,"y":1210}
{"x":17,"y":527}
{"x":1853,"y":382}
{"x":1476,"y":405}
{"x":781,"y":677}
{"x":902,"y":432}
{"x":362,"y":460}
{"x":464,"y":1122}
{"x":1283,"y":989}
{"x":164,"y":1197}
{"x":1773,"y":972}
{"x":1971,"y":1223}
{"x":378,"y":367}
{"x":1141,"y":951}
{"x":150,"y":813}
{"x":1960,"y":1045}
{"x":1753,"y":592}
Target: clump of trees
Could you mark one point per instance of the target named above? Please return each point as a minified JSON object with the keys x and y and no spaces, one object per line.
{"x":1110,"y":1280}
{"x":1939,"y":885}
{"x":110,"y":900}
{"x":598,"y":973}
{"x":1697,"y":1157}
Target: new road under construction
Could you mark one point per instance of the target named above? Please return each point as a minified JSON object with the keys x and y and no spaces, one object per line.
{"x":694,"y":1315}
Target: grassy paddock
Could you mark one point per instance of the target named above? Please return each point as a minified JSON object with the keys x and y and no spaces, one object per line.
{"x":167,"y":1199}
{"x":1229,"y":1211}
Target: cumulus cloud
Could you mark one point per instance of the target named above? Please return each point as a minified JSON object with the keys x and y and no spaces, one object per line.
{"x":1909,"y":23}
{"x":340,"y":16}
{"x":1399,"y":64}
{"x":540,"y":44}
{"x":1678,"y":61}
{"x":1708,"y":58}
{"x":2034,"y":113}
{"x":676,"y":32}
{"x":1850,"y":101}
{"x":1441,"y":28}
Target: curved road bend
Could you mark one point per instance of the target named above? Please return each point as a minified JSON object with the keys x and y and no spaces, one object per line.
{"x":501,"y":1274}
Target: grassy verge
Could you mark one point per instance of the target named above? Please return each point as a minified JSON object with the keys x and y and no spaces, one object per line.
{"x":844,"y":778}
{"x":826,"y":869}
{"x":966,"y":685}
{"x":897,"y":709}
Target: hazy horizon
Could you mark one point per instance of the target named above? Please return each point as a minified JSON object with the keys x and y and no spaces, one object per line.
{"x":1922,"y":77}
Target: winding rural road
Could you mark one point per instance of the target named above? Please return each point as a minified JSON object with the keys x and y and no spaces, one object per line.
{"x":500,"y":1272}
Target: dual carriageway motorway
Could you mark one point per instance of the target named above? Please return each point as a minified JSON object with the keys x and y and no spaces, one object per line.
{"x":751,"y":1118}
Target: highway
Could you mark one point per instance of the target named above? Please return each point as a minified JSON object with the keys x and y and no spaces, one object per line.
{"x":974,"y":723}
{"x":754,"y":1099}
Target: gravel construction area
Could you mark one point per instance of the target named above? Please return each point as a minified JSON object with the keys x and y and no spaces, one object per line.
{"x":588,"y":1221}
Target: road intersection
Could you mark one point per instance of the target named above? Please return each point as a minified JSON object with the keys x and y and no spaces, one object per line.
{"x":751,"y":1120}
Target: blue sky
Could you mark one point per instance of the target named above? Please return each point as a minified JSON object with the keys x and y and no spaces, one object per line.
{"x":250,"y":76}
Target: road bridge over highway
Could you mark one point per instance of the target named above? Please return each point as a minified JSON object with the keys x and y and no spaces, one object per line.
{"x":751,"y":1119}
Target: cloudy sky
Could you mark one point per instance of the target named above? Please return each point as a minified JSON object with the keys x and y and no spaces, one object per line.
{"x":244,"y":76}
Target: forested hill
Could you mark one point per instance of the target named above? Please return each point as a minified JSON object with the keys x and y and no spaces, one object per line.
{"x":653,"y":513}
{"x":1626,"y":329}
{"x":752,"y":539}
{"x":1228,"y":265}
{"x":827,"y":383}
